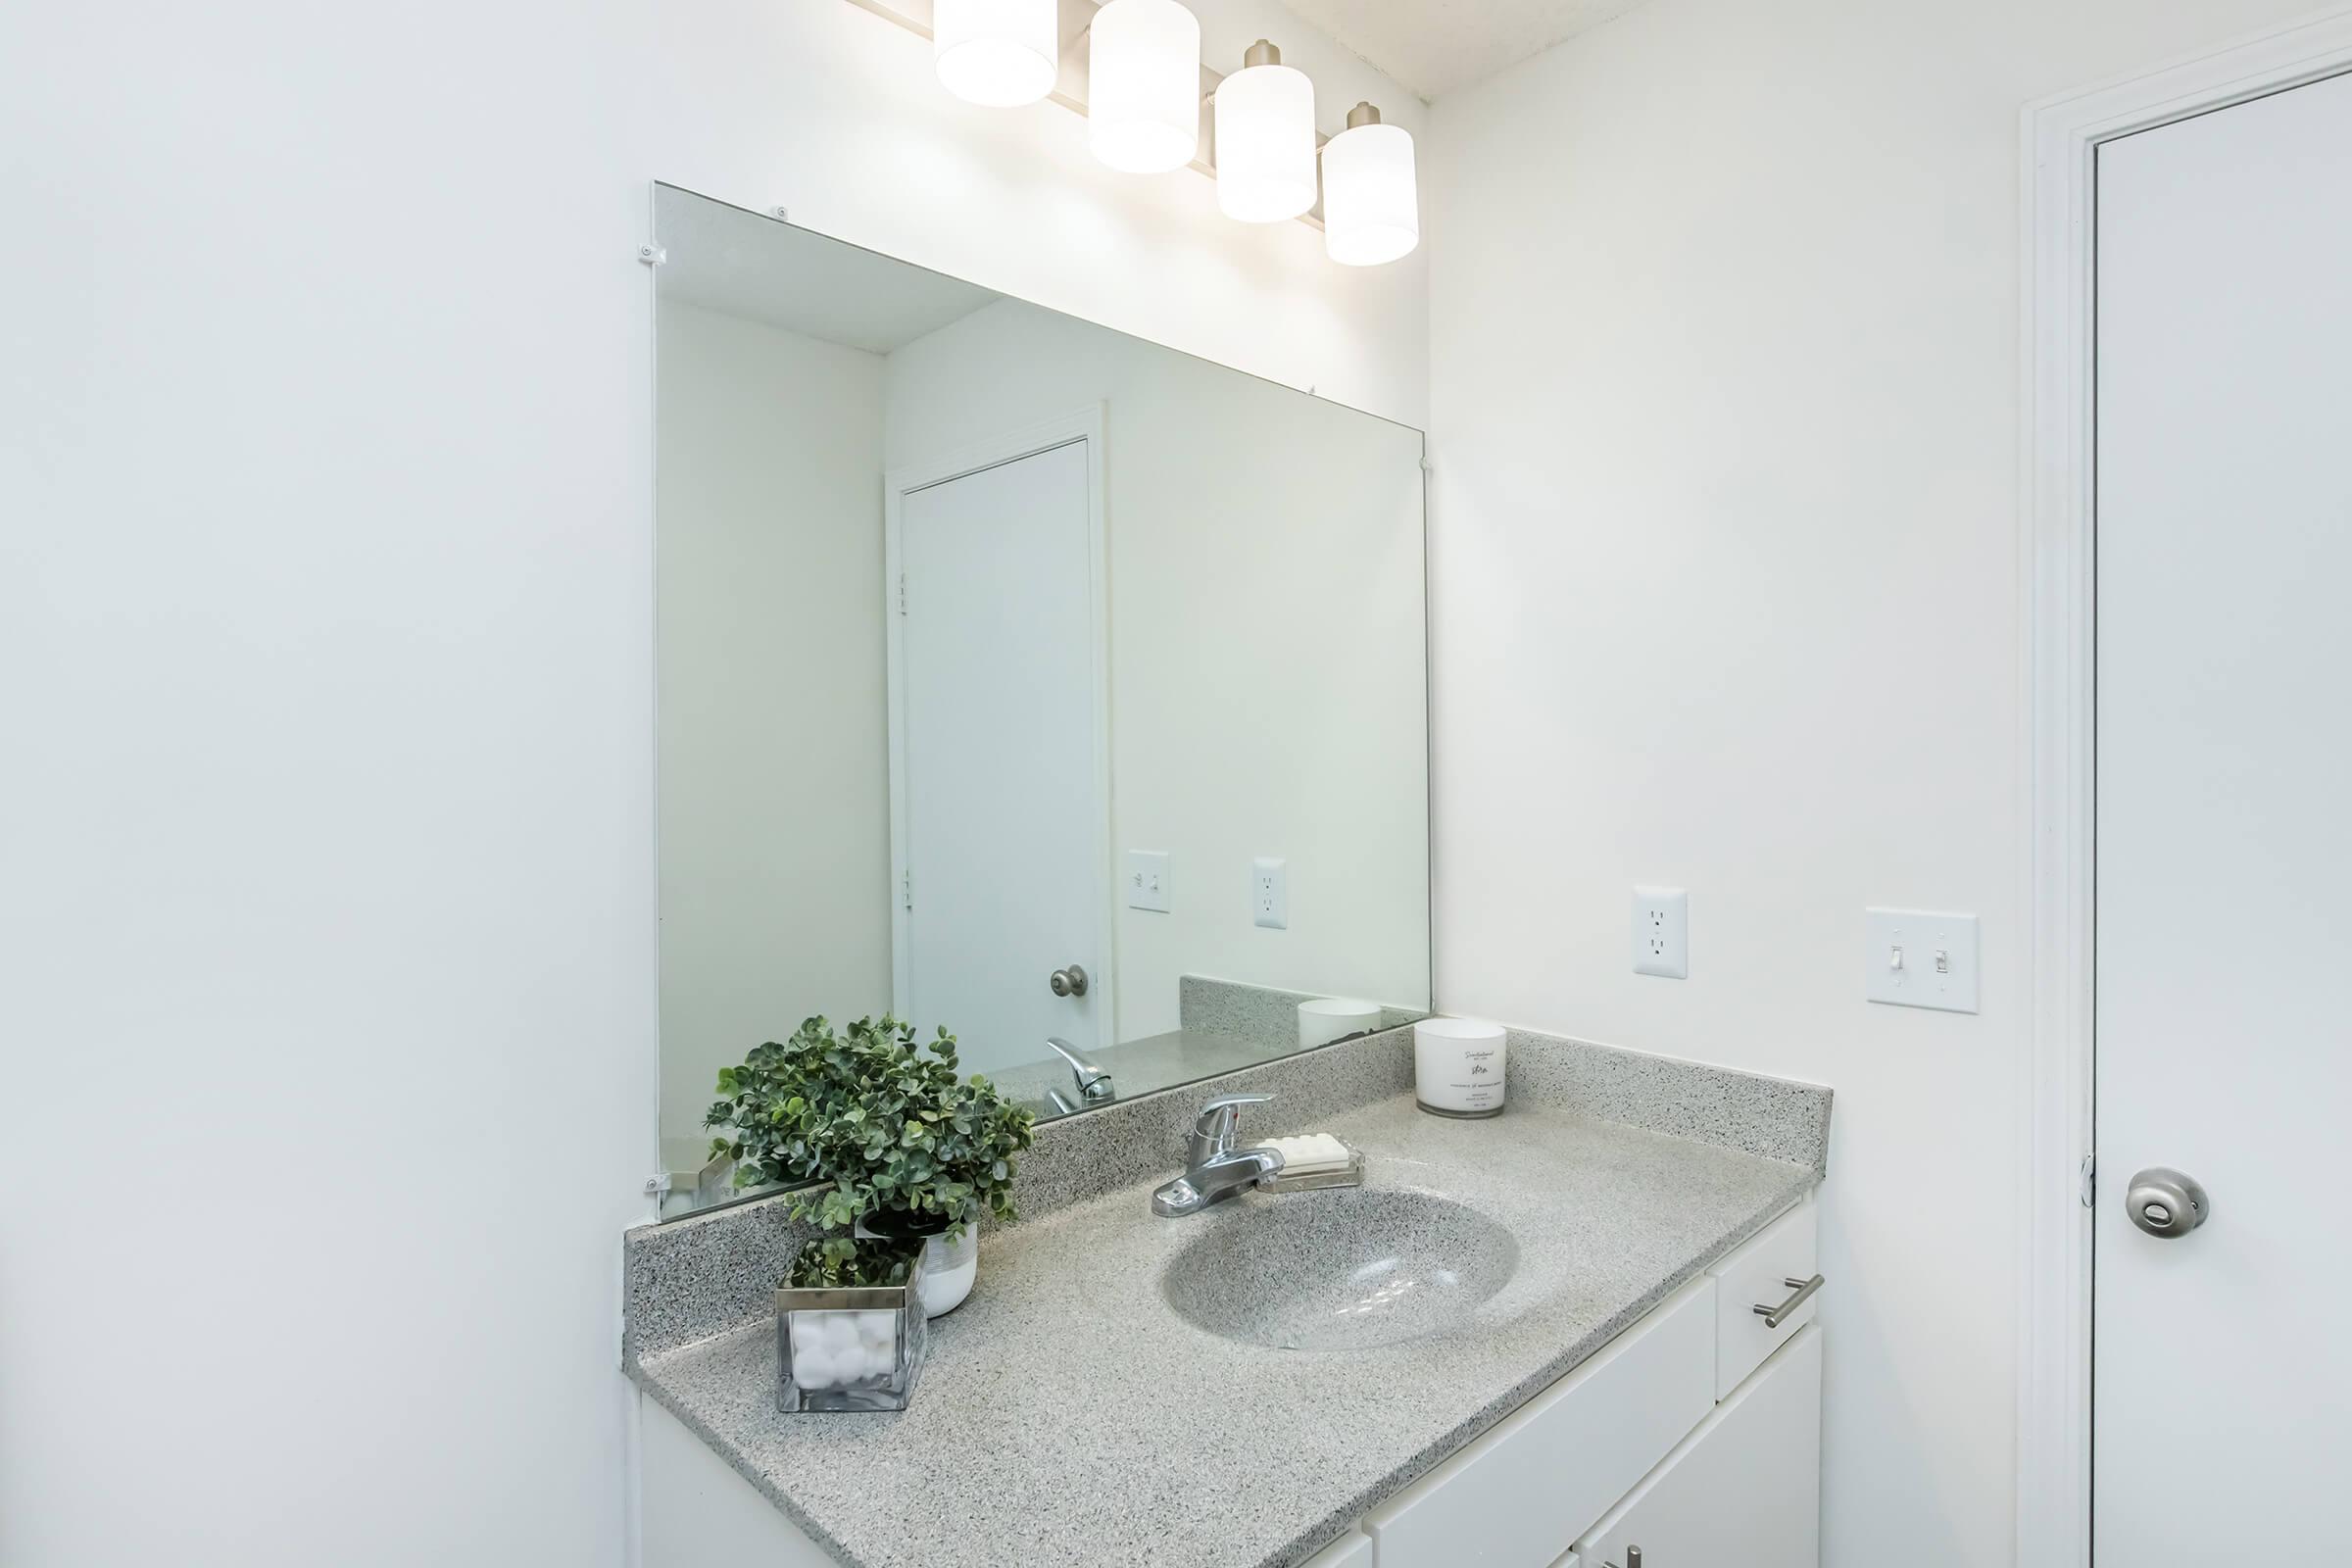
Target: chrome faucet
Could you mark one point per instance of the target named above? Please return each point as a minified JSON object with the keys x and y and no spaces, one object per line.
{"x":1215,"y":1170}
{"x":1093,"y":1084}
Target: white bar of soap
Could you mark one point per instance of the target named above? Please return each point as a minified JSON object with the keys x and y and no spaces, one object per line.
{"x":1310,"y":1154}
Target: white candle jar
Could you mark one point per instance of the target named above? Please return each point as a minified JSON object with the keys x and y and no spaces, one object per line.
{"x":1458,"y":1066}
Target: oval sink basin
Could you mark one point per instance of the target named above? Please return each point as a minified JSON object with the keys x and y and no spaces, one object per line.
{"x":1344,"y":1269}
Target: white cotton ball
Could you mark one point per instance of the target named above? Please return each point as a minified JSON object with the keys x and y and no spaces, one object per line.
{"x":841,"y":1332}
{"x":814,"y":1369}
{"x":808,"y":1332}
{"x":876,"y":1329}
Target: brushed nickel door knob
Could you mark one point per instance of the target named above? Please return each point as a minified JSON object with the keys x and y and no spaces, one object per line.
{"x":2164,"y":1202}
{"x":1069,"y":982}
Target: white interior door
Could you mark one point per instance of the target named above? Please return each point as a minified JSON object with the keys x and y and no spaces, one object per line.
{"x":2222,"y":1368}
{"x":1002,"y":824}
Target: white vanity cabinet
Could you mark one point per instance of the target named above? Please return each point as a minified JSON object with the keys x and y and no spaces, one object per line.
{"x":1694,"y":1434}
{"x":1743,"y":1489}
{"x":1517,"y":1495}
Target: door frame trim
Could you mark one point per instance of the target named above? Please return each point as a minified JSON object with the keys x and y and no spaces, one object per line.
{"x":2060,"y":144}
{"x":1084,"y":425}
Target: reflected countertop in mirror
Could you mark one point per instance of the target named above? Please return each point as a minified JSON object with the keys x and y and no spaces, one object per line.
{"x":1016,"y":676}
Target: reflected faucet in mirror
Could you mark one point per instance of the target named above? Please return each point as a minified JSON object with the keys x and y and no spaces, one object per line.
{"x":1093,"y":1084}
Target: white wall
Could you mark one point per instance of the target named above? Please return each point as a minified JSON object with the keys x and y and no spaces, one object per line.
{"x":1266,"y":646}
{"x":774,"y":754}
{"x":1725,"y":315}
{"x":327,"y":904}
{"x":326,"y":646}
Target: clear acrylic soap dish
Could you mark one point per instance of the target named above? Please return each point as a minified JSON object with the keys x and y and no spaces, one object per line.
{"x":1351,"y":1174}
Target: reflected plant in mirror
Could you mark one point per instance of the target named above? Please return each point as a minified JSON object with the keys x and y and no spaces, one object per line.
{"x":997,"y":647}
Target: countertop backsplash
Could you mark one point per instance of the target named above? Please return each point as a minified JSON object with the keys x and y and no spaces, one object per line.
{"x":710,"y":1274}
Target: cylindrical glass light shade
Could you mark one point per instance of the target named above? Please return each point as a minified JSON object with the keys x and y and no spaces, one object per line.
{"x":1000,"y":53}
{"x":1265,"y":141}
{"x":1143,"y":108}
{"x":1371,"y":203}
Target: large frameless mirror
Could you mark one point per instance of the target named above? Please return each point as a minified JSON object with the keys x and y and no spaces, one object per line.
{"x":1020,"y":678}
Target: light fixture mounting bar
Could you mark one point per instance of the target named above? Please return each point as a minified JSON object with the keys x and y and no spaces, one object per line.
{"x":1077,"y":19}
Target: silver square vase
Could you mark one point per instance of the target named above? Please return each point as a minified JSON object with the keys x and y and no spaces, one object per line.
{"x":854,"y":1348}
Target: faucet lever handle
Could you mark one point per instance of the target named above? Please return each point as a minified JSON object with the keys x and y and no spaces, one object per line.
{"x":1224,"y":1111}
{"x":1220,"y":1120}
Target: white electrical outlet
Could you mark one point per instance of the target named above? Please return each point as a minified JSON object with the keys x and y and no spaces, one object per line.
{"x":1662,"y":932}
{"x":1920,"y":958}
{"x":1148,"y":885}
{"x":1270,"y":893}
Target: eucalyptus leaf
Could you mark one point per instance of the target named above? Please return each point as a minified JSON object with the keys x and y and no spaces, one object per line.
{"x":886,"y":1123}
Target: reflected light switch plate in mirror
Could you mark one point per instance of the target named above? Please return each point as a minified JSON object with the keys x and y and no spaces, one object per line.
{"x":1147,"y":880}
{"x":1921,"y":959}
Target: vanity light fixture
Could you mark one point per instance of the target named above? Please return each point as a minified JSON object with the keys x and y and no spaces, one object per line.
{"x":996,"y":53}
{"x":1266,"y":129}
{"x":1143,"y":87}
{"x":1143,"y":113}
{"x":1371,"y":201}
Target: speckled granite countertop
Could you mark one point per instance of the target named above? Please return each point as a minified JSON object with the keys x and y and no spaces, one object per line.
{"x":1067,"y":1416}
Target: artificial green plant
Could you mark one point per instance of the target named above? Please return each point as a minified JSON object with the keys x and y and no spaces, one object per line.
{"x":863,"y":1124}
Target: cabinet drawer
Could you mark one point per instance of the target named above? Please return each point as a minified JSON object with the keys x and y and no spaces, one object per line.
{"x":1517,"y":1496}
{"x":1756,"y":1275}
{"x":1745,"y":1488}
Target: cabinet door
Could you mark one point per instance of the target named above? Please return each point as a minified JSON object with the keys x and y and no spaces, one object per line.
{"x":1745,"y":1488}
{"x":1517,"y":1496}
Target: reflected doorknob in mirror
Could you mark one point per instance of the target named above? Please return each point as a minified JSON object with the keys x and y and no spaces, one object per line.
{"x":2165,"y":1204}
{"x":1069,"y":982}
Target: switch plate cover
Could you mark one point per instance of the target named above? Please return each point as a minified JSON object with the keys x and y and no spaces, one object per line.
{"x":1148,"y":885}
{"x":1921,"y":959}
{"x":1270,"y":893}
{"x":1662,"y":932}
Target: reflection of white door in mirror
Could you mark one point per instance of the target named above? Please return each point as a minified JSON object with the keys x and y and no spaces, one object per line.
{"x":998,"y":762}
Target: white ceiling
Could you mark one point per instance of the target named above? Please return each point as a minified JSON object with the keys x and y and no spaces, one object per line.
{"x":724,"y":257}
{"x":1433,"y":46}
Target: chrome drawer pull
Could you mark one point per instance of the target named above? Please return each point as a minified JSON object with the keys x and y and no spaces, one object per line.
{"x":1774,"y":1316}
{"x":1633,"y":1558}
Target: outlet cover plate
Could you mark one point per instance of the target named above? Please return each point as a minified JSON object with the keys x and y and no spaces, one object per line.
{"x":1662,"y":932}
{"x":1270,"y":893}
{"x":1150,"y":885}
{"x":1936,"y":953}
